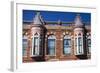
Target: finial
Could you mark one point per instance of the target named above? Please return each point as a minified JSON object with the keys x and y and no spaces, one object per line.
{"x":78,"y":21}
{"x":59,"y":22}
{"x":38,"y":19}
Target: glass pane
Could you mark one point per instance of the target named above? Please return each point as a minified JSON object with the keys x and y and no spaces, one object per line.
{"x":80,"y":45}
{"x":51,"y":46}
{"x":25,"y":44}
{"x":80,"y":41}
{"x":36,"y":41}
{"x":36,"y":48}
{"x":89,"y":42}
{"x":67,"y":46}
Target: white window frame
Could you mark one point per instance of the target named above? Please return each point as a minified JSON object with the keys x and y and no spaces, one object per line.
{"x":80,"y":45}
{"x":76,"y":46}
{"x":34,"y":36}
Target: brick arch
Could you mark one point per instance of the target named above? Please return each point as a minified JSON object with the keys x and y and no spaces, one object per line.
{"x":51,"y":36}
{"x":66,"y":35}
{"x":49,"y":33}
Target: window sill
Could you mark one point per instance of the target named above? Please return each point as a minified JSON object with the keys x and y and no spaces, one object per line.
{"x":50,"y":55}
{"x":36,"y":55}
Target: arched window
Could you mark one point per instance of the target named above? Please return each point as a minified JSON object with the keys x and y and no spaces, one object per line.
{"x":51,"y":45}
{"x":24,"y":45}
{"x":36,"y":42}
{"x":66,"y":45}
{"x":79,"y":44}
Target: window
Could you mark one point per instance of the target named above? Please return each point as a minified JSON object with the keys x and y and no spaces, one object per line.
{"x":66,"y":45}
{"x":89,"y":45}
{"x":79,"y":45}
{"x":25,"y":46}
{"x":51,"y":45}
{"x":36,"y":45}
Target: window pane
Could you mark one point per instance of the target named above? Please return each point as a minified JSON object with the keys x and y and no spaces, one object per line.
{"x":36,"y":41}
{"x":51,"y":46}
{"x":67,"y":46}
{"x":36,"y":48}
{"x":25,"y":46}
{"x":80,"y":45}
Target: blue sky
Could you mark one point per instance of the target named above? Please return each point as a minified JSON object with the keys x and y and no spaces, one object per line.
{"x":28,"y":15}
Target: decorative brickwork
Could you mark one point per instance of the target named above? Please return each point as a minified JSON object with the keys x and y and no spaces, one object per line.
{"x":44,"y":30}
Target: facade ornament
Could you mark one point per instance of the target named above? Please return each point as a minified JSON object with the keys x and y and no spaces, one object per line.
{"x":78,"y":21}
{"x":38,"y":19}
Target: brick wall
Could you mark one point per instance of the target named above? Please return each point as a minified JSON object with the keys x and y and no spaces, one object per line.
{"x":59,"y":33}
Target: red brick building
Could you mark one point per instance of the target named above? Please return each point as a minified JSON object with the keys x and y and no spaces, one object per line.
{"x":51,"y":41}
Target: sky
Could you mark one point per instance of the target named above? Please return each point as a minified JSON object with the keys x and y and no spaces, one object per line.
{"x":28,"y":15}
